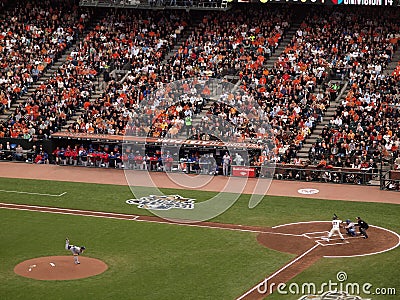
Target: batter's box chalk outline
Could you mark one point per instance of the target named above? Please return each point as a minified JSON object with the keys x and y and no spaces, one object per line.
{"x":324,"y":243}
{"x":310,"y":235}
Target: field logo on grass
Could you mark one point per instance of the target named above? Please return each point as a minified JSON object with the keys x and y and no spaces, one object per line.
{"x":184,"y":128}
{"x":155,"y":202}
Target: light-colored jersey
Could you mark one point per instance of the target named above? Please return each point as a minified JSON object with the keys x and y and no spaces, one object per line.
{"x":226,"y":159}
{"x":75,"y":250}
{"x":336,"y":224}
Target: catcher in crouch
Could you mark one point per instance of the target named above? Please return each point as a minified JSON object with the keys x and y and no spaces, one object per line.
{"x":75,"y":250}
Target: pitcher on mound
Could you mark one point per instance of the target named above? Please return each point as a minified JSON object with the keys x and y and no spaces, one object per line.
{"x":75,"y":250}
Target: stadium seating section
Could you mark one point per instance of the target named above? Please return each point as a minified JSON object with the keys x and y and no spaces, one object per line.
{"x":283,"y":101}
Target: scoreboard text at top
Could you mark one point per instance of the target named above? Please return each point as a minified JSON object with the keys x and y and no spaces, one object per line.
{"x":337,"y":2}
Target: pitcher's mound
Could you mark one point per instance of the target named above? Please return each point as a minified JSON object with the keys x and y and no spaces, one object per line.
{"x":60,"y":268}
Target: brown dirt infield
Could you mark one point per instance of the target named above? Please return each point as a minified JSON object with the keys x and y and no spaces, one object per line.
{"x":379,"y":240}
{"x":60,"y":268}
{"x":305,"y":241}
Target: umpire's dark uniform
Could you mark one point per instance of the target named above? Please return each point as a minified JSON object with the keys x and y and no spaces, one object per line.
{"x":363,"y":226}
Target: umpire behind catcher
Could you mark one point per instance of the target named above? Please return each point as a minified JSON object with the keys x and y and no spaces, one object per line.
{"x":363,"y":226}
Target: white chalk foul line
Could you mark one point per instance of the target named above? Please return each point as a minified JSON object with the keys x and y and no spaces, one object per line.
{"x":196,"y":225}
{"x":326,"y":243}
{"x":306,"y":222}
{"x":281,"y":233}
{"x":63,"y":213}
{"x":216,"y":227}
{"x":77,"y":212}
{"x":29,"y":208}
{"x":263,"y":282}
{"x":30,"y":193}
{"x":136,"y":218}
{"x":117,"y":216}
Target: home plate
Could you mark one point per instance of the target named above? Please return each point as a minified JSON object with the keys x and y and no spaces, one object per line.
{"x":52,"y":264}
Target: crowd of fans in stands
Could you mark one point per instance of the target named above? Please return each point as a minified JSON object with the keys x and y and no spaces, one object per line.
{"x":366,"y":123}
{"x":31,"y":39}
{"x":140,"y":39}
{"x":346,"y":43}
{"x":284,"y":102}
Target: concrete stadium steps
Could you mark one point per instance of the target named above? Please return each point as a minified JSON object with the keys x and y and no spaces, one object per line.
{"x":393,"y":64}
{"x":330,"y":112}
{"x":269,"y":64}
{"x":101,"y":85}
{"x":72,"y":120}
{"x":299,"y":17}
{"x":235,"y":79}
{"x":282,"y":45}
{"x":232,"y":78}
{"x":49,"y":72}
{"x":193,"y":26}
{"x":184,"y":35}
{"x":196,"y":119}
{"x":46,"y":75}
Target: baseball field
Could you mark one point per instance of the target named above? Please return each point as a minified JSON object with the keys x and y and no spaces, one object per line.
{"x":150,"y":259}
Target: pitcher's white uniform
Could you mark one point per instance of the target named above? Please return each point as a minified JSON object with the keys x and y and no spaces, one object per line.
{"x":335,"y":229}
{"x":75,"y":250}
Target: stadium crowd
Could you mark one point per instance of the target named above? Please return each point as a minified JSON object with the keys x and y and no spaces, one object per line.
{"x":365,"y":126}
{"x":244,"y":45}
{"x":140,"y":39}
{"x":365,"y":45}
{"x":31,"y":40}
{"x":283,"y":103}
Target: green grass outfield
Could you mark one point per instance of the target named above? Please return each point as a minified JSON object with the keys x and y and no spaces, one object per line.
{"x":160,"y":261}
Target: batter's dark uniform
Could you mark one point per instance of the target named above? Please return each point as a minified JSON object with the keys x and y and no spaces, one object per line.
{"x":363,"y":226}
